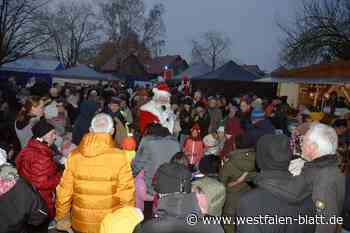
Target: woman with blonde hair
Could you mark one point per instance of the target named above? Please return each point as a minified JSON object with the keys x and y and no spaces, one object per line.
{"x":30,"y":113}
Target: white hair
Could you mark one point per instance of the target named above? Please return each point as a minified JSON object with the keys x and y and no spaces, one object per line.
{"x":102,"y":123}
{"x":324,"y":137}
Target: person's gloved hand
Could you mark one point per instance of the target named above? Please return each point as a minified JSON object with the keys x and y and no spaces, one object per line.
{"x":296,"y":166}
{"x":64,"y":224}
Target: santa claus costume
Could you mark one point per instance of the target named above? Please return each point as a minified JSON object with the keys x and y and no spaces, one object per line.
{"x":158,"y":110}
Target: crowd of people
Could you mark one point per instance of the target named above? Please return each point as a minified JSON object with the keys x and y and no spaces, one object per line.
{"x":107,"y":158}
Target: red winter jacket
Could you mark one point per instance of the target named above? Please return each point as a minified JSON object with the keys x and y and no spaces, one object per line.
{"x":35,"y":164}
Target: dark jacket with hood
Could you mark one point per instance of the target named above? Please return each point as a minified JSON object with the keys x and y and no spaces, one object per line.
{"x":259,"y":129}
{"x":73,"y":112}
{"x":320,"y":178}
{"x":88,"y":110}
{"x":273,"y":158}
{"x":20,"y":204}
{"x":171,"y":217}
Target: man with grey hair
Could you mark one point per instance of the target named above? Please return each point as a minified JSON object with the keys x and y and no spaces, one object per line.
{"x":320,"y":140}
{"x":96,"y":182}
{"x":102,"y":123}
{"x":316,"y":174}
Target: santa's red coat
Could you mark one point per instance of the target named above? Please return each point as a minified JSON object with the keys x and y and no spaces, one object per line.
{"x":147,"y":118}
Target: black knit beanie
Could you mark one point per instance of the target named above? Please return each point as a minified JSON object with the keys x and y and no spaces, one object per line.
{"x":41,"y":128}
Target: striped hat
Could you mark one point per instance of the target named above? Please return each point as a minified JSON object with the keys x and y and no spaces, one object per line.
{"x":257,"y":114}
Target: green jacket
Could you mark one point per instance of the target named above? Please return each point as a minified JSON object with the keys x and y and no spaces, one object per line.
{"x":215,"y":192}
{"x":240,"y":161}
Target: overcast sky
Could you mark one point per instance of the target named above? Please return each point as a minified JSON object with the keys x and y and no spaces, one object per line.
{"x":251,"y":24}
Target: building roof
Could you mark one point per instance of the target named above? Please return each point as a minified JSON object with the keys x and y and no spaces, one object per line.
{"x":331,"y":70}
{"x":253,"y":69}
{"x":156,"y":65}
{"x":304,"y":80}
{"x":332,"y":73}
{"x":229,"y":72}
{"x":194,"y":70}
{"x":278,"y":70}
{"x":80,"y":72}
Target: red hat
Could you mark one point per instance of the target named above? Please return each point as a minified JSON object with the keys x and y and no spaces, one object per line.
{"x":162,"y":89}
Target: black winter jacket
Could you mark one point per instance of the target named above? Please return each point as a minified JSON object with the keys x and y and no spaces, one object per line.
{"x":21,"y":206}
{"x":266,"y":204}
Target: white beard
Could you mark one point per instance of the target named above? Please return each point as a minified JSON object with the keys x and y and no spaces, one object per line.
{"x":163,"y":112}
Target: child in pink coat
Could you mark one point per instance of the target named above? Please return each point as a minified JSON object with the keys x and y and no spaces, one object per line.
{"x":194,"y":147}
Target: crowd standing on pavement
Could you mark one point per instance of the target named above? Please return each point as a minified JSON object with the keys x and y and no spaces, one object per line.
{"x":105,"y":158}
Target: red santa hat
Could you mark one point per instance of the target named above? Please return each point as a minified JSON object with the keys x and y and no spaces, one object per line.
{"x":162,"y":89}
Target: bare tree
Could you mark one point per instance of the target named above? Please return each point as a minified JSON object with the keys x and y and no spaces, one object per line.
{"x":121,"y":17}
{"x":124,"y":17}
{"x":154,"y":30}
{"x":19,"y":34}
{"x":212,"y":49}
{"x":320,"y":31}
{"x":73,"y":31}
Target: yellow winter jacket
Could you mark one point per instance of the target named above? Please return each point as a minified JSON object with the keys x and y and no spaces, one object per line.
{"x":97,"y":181}
{"x":123,"y":220}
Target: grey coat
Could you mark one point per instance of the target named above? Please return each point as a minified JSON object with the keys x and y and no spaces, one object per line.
{"x":153,"y":152}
